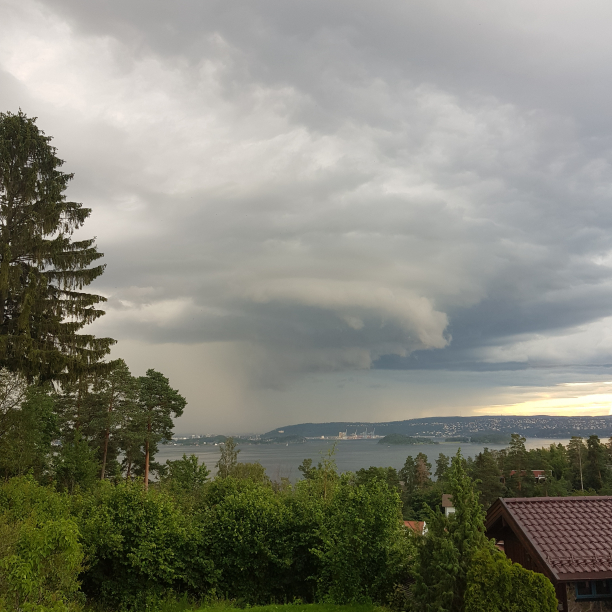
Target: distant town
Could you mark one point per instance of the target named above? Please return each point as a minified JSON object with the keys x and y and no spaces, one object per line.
{"x":466,"y":429}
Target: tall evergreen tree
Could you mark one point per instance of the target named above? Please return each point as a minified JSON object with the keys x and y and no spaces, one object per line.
{"x":487,"y":475}
{"x":158,"y":404}
{"x":42,"y":270}
{"x":117,"y":391}
{"x":517,"y":463}
{"x":445,"y":555}
{"x":442,"y":467}
{"x":576,"y":453}
{"x":422,"y":472}
{"x":595,"y":470}
{"x":407,"y":474}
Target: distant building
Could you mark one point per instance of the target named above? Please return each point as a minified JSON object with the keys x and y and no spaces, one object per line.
{"x":538,"y":475}
{"x":447,"y":504}
{"x":568,"y":539}
{"x":419,"y":527}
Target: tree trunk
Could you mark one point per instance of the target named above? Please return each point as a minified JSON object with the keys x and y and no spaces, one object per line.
{"x":146,"y":477}
{"x":106,"y":436}
{"x":146,"y":474}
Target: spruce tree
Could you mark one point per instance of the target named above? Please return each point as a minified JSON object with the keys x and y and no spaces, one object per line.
{"x":42,"y":269}
{"x":445,"y":555}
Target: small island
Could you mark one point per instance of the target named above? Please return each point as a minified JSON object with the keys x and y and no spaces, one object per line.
{"x":401,"y":439}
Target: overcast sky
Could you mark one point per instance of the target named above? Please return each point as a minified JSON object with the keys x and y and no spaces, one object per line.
{"x":338,"y":210}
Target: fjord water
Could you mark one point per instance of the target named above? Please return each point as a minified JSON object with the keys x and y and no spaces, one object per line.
{"x":282,"y":461}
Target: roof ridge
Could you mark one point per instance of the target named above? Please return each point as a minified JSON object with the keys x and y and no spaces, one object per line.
{"x":557,"y":499}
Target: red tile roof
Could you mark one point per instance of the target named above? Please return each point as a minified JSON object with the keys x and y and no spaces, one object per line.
{"x":571,"y":535}
{"x":416,"y":526}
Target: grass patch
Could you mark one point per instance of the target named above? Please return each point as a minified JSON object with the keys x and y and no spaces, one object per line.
{"x":319,"y":607}
{"x":185,"y":604}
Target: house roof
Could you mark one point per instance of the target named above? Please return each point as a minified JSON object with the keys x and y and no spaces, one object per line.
{"x":572,"y":536}
{"x":447,"y":500}
{"x":416,"y":526}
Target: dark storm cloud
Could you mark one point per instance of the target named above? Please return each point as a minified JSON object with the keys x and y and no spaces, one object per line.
{"x":337,"y":186}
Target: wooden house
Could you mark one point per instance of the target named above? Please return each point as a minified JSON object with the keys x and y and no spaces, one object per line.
{"x":568,"y":539}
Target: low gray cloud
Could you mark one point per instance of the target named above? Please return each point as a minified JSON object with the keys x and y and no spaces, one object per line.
{"x":323,"y":188}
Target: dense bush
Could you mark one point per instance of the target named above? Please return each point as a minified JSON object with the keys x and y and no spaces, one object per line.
{"x":495,"y":584}
{"x":332,"y":538}
{"x":328,"y":538}
{"x":40,"y":555}
{"x":361,"y":545}
{"x":140,"y":547}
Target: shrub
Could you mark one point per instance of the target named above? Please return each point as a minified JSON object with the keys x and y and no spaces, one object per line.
{"x":40,"y":555}
{"x":139,"y":547}
{"x":495,"y":584}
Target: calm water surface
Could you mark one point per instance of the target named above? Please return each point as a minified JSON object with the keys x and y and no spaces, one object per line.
{"x":351,"y":455}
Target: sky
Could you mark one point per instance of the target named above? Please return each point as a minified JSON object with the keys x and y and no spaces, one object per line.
{"x":346,"y":210}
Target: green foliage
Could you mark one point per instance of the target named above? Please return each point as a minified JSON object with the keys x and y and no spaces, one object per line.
{"x":517,"y":463}
{"x":306,"y":468}
{"x":42,"y":270}
{"x":116,"y":392}
{"x":596,"y":472}
{"x":251,"y":471}
{"x":419,"y":492}
{"x":186,"y":474}
{"x":27,"y":431}
{"x":442,"y":466}
{"x":247,"y":531}
{"x":487,"y":475}
{"x":388,"y":475}
{"x":495,"y":584}
{"x":576,"y":454}
{"x":445,"y":555}
{"x":418,"y":504}
{"x":140,"y":547}
{"x":158,"y":404}
{"x":363,"y":549}
{"x":40,"y":555}
{"x":228,"y":459}
{"x":76,"y":465}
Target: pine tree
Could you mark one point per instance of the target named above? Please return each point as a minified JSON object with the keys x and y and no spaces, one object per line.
{"x":407,"y":474}
{"x":595,"y":470}
{"x":517,"y":462}
{"x":117,"y":391}
{"x":487,"y":475}
{"x":42,"y":270}
{"x":158,"y":403}
{"x":442,"y":466}
{"x":422,"y":472}
{"x":576,"y":452}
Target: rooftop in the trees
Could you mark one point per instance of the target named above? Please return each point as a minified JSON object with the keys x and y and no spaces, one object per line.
{"x":567,"y":538}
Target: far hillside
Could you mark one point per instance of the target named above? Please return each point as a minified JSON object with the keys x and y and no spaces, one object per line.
{"x":481,"y":429}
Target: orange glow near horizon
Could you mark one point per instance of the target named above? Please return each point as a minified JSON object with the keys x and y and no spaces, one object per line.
{"x":568,"y":399}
